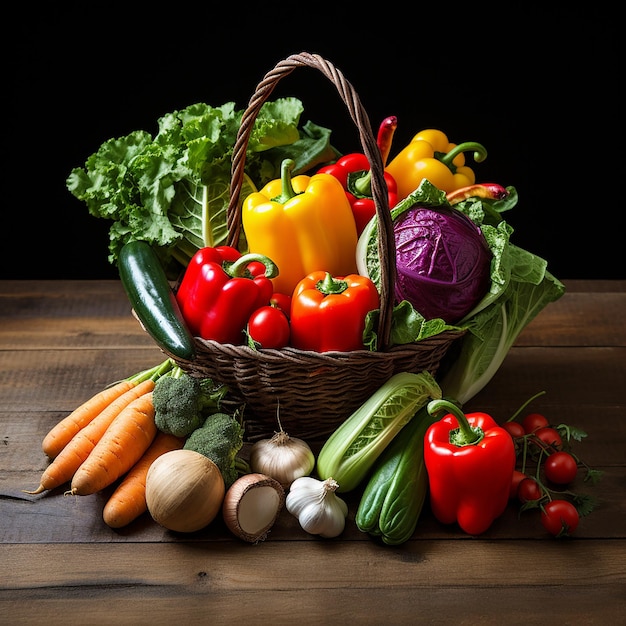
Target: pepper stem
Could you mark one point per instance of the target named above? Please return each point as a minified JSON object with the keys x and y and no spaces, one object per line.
{"x":361,"y":183}
{"x":237,"y":269}
{"x":287,"y":191}
{"x":480,"y":153}
{"x":331,"y":285}
{"x":465,"y":434}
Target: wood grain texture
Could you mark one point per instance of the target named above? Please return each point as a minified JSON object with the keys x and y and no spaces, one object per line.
{"x":62,"y":341}
{"x":433,"y":582}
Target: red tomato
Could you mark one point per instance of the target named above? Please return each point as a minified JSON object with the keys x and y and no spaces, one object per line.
{"x":269,"y":327}
{"x":550,"y":436}
{"x":529,"y":490}
{"x":518,"y":477}
{"x":533,"y":422}
{"x":560,"y":518}
{"x":560,"y":468}
{"x":515,"y":429}
{"x":282,"y":301}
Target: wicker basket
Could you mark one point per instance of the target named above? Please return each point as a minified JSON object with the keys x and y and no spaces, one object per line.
{"x":314,"y":392}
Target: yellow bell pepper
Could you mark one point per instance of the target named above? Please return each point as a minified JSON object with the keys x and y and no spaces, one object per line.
{"x":304,"y":224}
{"x":430,"y":155}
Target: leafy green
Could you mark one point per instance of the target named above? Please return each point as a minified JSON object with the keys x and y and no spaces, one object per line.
{"x":492,"y":332}
{"x":172,"y":190}
{"x":351,"y":450}
{"x":520,"y":288}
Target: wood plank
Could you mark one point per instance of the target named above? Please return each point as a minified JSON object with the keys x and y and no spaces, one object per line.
{"x":430,"y":561}
{"x":121,"y":333}
{"x":577,"y":319}
{"x":426,"y":581}
{"x":59,"y":380}
{"x":62,"y":298}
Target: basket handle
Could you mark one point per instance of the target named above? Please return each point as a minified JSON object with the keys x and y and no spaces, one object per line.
{"x":386,"y":240}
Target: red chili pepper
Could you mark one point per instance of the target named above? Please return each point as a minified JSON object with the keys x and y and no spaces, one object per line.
{"x":221,"y":289}
{"x":328,"y":313}
{"x":470,"y":462}
{"x":353,"y":172}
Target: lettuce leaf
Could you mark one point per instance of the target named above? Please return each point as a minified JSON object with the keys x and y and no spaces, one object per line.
{"x":172,"y":190}
{"x":472,"y":363}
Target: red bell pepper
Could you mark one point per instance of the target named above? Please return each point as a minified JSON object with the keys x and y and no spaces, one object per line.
{"x":328,"y":313}
{"x":470,"y":462}
{"x":221,"y":289}
{"x":353,"y":172}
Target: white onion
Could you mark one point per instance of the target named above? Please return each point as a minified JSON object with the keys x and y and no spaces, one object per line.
{"x":252,"y":505}
{"x":184,"y":490}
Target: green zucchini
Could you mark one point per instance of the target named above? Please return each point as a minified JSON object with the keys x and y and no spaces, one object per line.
{"x":395,"y":493}
{"x":352,"y":449}
{"x":153,"y":299}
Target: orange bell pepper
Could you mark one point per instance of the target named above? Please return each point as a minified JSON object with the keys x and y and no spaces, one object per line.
{"x":328,"y":313}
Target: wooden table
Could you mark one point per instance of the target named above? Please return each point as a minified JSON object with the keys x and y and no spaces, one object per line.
{"x":62,"y":341}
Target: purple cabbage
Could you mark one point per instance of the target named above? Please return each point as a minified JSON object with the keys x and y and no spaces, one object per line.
{"x":443,"y":262}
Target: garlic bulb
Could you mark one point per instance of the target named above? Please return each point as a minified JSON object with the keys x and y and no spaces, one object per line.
{"x":318,"y":508}
{"x":282,"y":457}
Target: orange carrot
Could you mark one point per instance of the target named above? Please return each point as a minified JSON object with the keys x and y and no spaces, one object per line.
{"x":64,"y":466}
{"x":122,"y":445}
{"x":59,"y":436}
{"x":128,"y":501}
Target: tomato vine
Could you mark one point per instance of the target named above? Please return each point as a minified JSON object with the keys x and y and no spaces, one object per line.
{"x":546,"y":469}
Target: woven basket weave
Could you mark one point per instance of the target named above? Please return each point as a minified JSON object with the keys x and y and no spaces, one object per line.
{"x":313,"y":392}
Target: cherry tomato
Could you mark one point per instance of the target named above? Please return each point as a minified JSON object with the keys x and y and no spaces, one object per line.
{"x":550,"y":436}
{"x":560,"y":518}
{"x":560,"y":468}
{"x":282,"y":301}
{"x":529,"y":490}
{"x":533,"y":422}
{"x":256,"y":268}
{"x":515,"y":429}
{"x":518,"y":477}
{"x":269,"y":327}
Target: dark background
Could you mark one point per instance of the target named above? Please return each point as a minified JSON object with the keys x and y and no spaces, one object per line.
{"x":537,"y":87}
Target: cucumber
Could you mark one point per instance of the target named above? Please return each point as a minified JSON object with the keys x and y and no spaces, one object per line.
{"x":395,"y":493}
{"x":153,"y":299}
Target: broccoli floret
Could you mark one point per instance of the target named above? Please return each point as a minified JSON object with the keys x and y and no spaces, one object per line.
{"x":182,"y":402}
{"x":220,"y":438}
